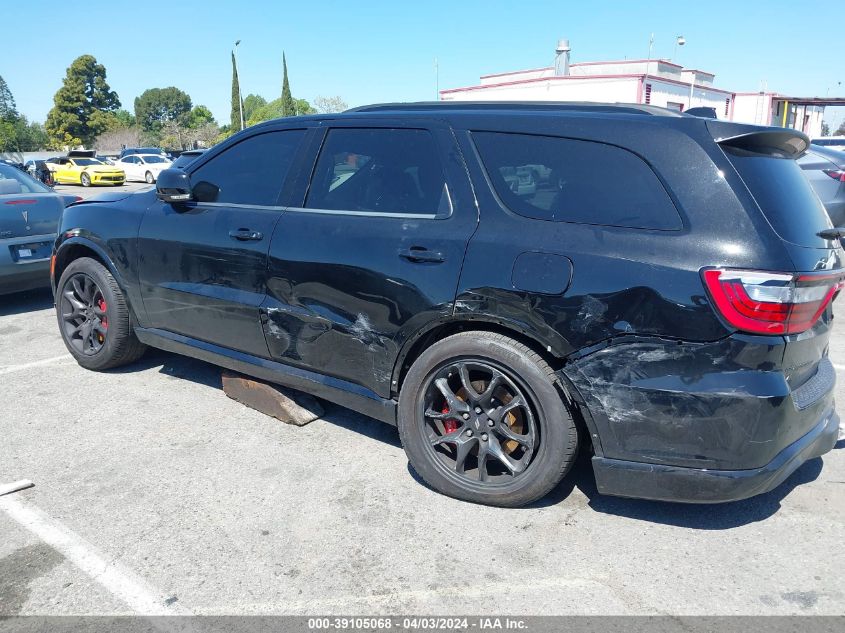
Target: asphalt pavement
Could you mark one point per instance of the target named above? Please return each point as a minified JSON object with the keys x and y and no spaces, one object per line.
{"x":155,"y":493}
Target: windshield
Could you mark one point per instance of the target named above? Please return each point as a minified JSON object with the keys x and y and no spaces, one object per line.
{"x":14,"y":181}
{"x":85,"y":162}
{"x":155,"y":159}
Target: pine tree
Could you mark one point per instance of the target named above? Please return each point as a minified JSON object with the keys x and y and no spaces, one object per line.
{"x":288,"y":104}
{"x":84,"y":105}
{"x":8,"y":109}
{"x":237,"y":105}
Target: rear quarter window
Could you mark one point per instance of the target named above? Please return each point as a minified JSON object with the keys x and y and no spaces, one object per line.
{"x":567,"y":180}
{"x":783,"y":194}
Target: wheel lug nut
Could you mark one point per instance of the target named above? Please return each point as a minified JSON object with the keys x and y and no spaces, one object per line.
{"x":489,"y":422}
{"x":466,"y":416}
{"x":484,"y":436}
{"x":478,"y":409}
{"x":469,"y":433}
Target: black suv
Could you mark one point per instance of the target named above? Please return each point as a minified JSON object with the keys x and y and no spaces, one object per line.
{"x":507,"y":283}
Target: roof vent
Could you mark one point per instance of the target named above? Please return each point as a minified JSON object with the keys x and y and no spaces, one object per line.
{"x":562,"y":58}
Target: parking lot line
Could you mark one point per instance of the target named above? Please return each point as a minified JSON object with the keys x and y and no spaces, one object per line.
{"x":839,"y":367}
{"x":116,"y":579}
{"x":36,"y":363}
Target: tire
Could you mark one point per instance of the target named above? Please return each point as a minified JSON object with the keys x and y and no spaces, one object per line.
{"x":538,"y":435}
{"x":85,"y":180}
{"x":148,"y":177}
{"x":112,"y":341}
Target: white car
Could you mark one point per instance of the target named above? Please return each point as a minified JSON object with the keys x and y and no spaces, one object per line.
{"x":143,"y":167}
{"x":830,"y":142}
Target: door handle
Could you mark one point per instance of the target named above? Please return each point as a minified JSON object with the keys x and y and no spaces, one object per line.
{"x":246,"y":235}
{"x":421,"y":254}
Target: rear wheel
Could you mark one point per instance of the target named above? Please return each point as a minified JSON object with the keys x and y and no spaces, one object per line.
{"x":85,"y":180}
{"x":481,"y":419}
{"x":94,"y":317}
{"x":149,"y":178}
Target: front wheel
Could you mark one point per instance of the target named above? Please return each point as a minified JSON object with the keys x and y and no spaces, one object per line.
{"x":149,"y":178}
{"x":481,"y":419}
{"x":94,"y":317}
{"x":85,"y":180}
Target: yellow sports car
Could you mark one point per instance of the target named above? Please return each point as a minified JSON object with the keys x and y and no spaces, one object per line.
{"x":84,"y":171}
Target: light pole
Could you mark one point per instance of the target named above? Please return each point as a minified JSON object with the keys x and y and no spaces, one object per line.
{"x":647,"y":64}
{"x":679,"y":41}
{"x":238,"y":75}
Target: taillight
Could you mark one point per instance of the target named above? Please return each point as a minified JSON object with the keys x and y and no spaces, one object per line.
{"x":836,"y":174}
{"x":771,"y":303}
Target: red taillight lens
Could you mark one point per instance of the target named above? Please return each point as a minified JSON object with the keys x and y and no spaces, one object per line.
{"x":771,"y":303}
{"x":836,"y":174}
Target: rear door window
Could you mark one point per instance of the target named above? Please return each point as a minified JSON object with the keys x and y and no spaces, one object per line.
{"x":568,"y":180}
{"x":783,"y":194}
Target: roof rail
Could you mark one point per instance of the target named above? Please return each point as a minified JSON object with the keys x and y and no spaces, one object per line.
{"x":573,"y":106}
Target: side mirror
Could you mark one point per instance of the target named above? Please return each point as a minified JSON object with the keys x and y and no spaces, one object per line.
{"x":173,"y":186}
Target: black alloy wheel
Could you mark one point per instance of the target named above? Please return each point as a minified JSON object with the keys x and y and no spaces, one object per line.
{"x":84,"y":313}
{"x":483,"y":418}
{"x":479,"y":422}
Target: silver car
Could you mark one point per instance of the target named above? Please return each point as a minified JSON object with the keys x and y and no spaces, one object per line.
{"x":29,"y":220}
{"x":825,"y":169}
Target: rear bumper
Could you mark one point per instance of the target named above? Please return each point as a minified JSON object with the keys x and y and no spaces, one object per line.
{"x":20,"y":275}
{"x":697,"y":485}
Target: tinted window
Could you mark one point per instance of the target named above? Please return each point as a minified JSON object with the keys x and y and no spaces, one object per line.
{"x":14,"y":181}
{"x":251,"y":172}
{"x":565,"y":180}
{"x":784,"y":194}
{"x":381,"y":171}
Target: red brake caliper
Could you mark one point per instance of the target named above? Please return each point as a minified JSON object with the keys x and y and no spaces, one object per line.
{"x":450,"y":426}
{"x":102,"y":305}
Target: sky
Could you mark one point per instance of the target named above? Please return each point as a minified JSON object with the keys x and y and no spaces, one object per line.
{"x":376,"y":51}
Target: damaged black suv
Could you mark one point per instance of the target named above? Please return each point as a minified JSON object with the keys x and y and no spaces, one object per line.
{"x":507,"y":283}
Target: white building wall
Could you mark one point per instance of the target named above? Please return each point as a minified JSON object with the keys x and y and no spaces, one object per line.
{"x":622,"y":90}
{"x":753,"y":108}
{"x":665,"y":94}
{"x":517,"y":76}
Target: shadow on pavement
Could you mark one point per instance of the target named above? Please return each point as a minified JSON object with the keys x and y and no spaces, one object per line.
{"x":694,"y":516}
{"x":175,"y":366}
{"x":721,"y":516}
{"x":29,"y":301}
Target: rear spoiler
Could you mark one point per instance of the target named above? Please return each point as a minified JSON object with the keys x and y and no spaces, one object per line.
{"x":784,"y":142}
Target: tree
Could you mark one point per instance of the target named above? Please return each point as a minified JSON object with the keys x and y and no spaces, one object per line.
{"x":125,"y":118}
{"x":840,"y":130}
{"x":237,"y":115}
{"x":80,"y":106}
{"x":117,"y":139}
{"x":288,"y":105}
{"x":251,"y":104}
{"x":158,"y":107}
{"x":329,"y":105}
{"x":8,"y":109}
{"x":200,"y":116}
{"x":9,"y":117}
{"x":276,"y":109}
{"x":206,"y":136}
